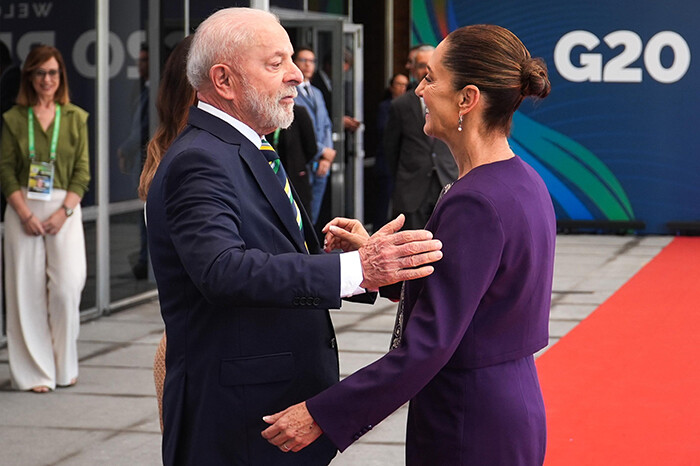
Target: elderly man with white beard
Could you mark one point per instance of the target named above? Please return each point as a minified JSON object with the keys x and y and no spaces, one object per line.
{"x":243,"y":283}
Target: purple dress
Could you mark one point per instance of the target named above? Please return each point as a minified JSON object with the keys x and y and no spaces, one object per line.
{"x":465,"y":360}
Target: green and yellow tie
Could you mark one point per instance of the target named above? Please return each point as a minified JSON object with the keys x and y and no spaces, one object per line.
{"x":277,"y":167}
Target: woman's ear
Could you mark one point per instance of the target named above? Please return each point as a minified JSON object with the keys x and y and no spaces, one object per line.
{"x":469,"y":97}
{"x":223,"y":81}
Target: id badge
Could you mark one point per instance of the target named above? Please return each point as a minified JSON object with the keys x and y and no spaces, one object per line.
{"x":40,"y":181}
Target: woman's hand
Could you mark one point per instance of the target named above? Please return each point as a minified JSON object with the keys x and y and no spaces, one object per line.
{"x":345,"y":234}
{"x":32,"y":226}
{"x":54,"y":223}
{"x":292,"y":429}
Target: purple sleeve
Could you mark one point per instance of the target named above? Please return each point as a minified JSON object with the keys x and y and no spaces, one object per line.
{"x":472,"y":237}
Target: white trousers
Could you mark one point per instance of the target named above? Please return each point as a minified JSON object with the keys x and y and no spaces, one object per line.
{"x":44,"y":277}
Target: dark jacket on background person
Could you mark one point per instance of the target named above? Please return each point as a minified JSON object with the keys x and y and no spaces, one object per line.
{"x":296,"y":147}
{"x":412,"y":156}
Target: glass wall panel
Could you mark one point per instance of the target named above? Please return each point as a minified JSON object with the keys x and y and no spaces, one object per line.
{"x":88,"y":299}
{"x":289,"y":4}
{"x":129,"y":108}
{"x":336,"y":7}
{"x":201,"y":9}
{"x":124,"y":249}
{"x":24,"y":25}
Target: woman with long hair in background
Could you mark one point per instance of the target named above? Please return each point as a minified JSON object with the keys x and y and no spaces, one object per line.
{"x":175,"y":96}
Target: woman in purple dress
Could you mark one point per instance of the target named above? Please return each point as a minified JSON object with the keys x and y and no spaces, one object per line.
{"x":465,"y":337}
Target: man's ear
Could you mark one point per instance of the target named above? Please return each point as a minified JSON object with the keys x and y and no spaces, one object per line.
{"x":469,"y":98}
{"x":223,"y":81}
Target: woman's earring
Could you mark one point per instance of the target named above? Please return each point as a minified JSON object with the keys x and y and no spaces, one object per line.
{"x":459,"y":128}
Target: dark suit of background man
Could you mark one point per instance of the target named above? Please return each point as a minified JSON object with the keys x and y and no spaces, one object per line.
{"x":421,"y":165}
{"x":244,"y":290}
{"x":132,"y":152}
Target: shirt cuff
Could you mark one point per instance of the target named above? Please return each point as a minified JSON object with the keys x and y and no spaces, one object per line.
{"x":350,"y":274}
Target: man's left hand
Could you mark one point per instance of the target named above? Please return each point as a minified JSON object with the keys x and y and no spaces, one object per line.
{"x":292,"y":429}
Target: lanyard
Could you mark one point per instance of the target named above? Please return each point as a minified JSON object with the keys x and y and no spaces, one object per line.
{"x":54,"y":138}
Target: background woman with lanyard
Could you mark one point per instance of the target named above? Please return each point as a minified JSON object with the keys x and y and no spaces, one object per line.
{"x":44,"y":172}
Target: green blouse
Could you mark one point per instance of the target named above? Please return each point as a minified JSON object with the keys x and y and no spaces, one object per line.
{"x":72,"y":171}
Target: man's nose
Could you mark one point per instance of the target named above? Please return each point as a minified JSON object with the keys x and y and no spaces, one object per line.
{"x":295,"y":74}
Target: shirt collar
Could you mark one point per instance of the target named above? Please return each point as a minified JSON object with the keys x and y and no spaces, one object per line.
{"x":242,"y":128}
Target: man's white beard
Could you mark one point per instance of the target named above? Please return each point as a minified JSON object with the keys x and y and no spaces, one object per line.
{"x":268,"y":110}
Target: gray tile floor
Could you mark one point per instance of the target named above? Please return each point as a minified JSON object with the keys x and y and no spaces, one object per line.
{"x":110,"y":417}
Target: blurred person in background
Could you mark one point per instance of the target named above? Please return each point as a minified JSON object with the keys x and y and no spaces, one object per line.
{"x":420,"y":164}
{"x":44,"y":173}
{"x":383,"y":179}
{"x":311,"y":98}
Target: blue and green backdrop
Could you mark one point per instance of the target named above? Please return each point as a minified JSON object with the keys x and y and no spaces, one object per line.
{"x":617,"y":139}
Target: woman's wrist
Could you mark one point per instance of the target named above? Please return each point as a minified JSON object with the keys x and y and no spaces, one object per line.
{"x":27,"y":218}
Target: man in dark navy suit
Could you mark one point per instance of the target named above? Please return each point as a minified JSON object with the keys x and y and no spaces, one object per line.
{"x":243,"y":284}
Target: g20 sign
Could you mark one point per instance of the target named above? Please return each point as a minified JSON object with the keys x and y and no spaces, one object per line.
{"x":617,"y":138}
{"x":619,"y":69}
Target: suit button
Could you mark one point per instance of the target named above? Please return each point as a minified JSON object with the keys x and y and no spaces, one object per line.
{"x":317,"y":301}
{"x":334,"y":343}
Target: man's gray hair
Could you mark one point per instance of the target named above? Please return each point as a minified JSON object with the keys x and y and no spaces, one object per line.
{"x":421,"y":48}
{"x":220,"y":38}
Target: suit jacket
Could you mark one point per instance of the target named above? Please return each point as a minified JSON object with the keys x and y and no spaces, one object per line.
{"x":413,"y":156}
{"x":486,"y":303}
{"x":244,"y":304}
{"x":296,"y":147}
{"x":320,"y":83}
{"x":323,"y":128}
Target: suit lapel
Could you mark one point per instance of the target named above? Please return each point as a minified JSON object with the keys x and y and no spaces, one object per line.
{"x":259,"y":167}
{"x":270,"y":186}
{"x":417,"y":110}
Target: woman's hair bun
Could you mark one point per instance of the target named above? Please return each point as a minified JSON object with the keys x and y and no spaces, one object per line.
{"x":534,"y":78}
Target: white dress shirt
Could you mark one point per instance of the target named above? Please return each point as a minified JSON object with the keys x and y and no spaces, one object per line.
{"x":350,"y":265}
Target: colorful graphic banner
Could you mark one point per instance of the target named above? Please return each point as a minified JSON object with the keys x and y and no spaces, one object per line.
{"x":616,"y":139}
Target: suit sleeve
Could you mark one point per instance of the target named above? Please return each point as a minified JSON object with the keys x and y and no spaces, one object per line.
{"x":472,"y":238}
{"x":204,"y":217}
{"x":326,"y":138}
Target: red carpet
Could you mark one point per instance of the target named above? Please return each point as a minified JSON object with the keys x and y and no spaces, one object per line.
{"x":623,"y":387}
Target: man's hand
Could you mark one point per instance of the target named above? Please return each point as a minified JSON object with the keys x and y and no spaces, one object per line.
{"x":292,"y":429}
{"x":346,"y":234}
{"x":389,"y":257}
{"x":329,"y":154}
{"x":350,"y":123}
